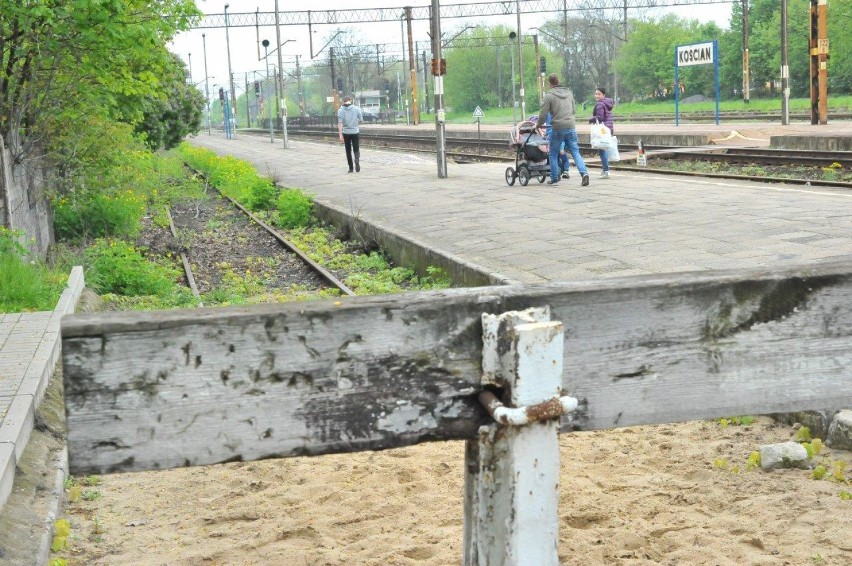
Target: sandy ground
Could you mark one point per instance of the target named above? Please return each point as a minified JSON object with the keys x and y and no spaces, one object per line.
{"x":633,"y":496}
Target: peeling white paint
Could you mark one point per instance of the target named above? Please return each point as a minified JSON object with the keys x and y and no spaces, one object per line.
{"x":407,"y":418}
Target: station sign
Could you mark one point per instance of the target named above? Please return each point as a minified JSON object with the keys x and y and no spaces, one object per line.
{"x":695,"y":54}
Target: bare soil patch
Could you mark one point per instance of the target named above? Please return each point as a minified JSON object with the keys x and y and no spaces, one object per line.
{"x":633,"y":496}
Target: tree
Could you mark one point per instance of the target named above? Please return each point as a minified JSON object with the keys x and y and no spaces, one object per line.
{"x":65,"y":60}
{"x":840,"y":49}
{"x":646,"y":60}
{"x":172,"y":113}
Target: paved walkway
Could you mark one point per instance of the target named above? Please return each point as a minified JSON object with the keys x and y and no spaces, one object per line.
{"x":633,"y":223}
{"x":29,"y":350}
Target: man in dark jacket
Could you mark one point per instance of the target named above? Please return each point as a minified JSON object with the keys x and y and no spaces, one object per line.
{"x":559,"y":102}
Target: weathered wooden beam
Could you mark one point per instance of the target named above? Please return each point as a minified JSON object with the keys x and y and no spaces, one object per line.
{"x":178,"y":388}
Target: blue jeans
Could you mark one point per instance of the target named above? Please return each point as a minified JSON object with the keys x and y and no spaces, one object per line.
{"x":604,"y":159}
{"x":568,"y":136}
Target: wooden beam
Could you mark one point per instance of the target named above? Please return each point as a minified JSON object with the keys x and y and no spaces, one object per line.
{"x":178,"y":388}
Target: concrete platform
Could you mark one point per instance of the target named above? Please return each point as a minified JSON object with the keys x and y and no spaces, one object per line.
{"x":632,"y":223}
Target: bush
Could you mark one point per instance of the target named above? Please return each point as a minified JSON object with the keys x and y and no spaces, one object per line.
{"x":115,"y":266}
{"x":262,"y":196}
{"x":98,"y":214}
{"x":295,"y":209}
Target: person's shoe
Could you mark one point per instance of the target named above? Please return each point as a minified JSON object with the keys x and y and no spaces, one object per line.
{"x":350,"y":170}
{"x":565,"y":175}
{"x":357,"y":167}
{"x":552,"y":181}
{"x":585,"y":181}
{"x":604,"y":174}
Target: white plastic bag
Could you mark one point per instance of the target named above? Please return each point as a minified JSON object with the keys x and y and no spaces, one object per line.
{"x":612,"y":150}
{"x":601,"y":137}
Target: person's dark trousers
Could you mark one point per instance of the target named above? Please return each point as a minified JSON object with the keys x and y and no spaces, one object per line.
{"x":352,"y":143}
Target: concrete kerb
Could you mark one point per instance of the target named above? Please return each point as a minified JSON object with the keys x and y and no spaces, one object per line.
{"x":410,"y":252}
{"x":20,"y":418}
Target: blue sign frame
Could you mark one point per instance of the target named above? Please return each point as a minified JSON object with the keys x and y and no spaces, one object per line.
{"x":697,"y":61}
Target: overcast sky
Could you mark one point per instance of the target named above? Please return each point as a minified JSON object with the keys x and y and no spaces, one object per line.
{"x":244,"y":41}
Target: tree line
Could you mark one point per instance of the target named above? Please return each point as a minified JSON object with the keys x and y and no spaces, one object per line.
{"x":632,"y":59}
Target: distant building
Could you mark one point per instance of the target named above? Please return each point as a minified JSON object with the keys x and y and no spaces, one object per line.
{"x":370,"y":100}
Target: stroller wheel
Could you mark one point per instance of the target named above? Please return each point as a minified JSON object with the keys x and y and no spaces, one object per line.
{"x":542,"y":177}
{"x":524,"y":175}
{"x":510,"y":176}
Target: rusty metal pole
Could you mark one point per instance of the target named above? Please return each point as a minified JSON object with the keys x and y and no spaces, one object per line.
{"x":539,"y":75}
{"x":822,"y":49}
{"x":746,"y":77}
{"x":412,"y":69}
{"x":818,"y":44}
{"x":334,"y":103}
{"x":438,"y":84}
{"x":785,"y":69}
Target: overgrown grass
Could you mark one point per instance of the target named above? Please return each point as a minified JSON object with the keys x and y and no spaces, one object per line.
{"x":233,"y":177}
{"x":367,"y":274}
{"x":26,"y":285}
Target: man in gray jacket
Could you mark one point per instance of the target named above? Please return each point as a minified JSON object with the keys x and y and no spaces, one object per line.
{"x":559,"y":103}
{"x":348,"y":118}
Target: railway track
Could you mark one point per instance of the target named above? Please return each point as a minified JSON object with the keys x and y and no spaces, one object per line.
{"x":327,"y":278}
{"x":465,"y":149}
{"x":763,"y":156}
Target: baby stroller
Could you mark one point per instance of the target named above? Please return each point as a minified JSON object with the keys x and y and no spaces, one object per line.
{"x":531,"y":153}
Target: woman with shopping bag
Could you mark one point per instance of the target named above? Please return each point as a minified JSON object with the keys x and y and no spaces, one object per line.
{"x":602,"y":114}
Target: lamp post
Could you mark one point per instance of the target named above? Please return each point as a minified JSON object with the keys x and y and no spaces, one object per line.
{"x":514,"y":98}
{"x":281,"y":77}
{"x":266,"y":56}
{"x":230,"y":72}
{"x":206,"y":82}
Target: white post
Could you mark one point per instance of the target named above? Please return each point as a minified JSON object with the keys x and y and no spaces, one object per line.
{"x":512,"y":476}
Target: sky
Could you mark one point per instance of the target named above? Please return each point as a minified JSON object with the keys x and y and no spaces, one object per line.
{"x":247,"y":56}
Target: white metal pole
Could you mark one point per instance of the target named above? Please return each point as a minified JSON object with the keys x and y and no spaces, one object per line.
{"x":514,"y":97}
{"x":512,"y":478}
{"x":206,"y":82}
{"x":269,"y":102}
{"x":521,"y":92}
{"x":233,"y":93}
{"x":280,"y":78}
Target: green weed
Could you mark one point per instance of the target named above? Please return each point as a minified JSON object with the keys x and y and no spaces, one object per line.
{"x":115,"y":266}
{"x":803,"y":434}
{"x":25,"y":285}
{"x":91,"y":495}
{"x":98,"y":214}
{"x":295,"y":209}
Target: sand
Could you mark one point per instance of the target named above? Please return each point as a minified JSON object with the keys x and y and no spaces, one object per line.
{"x":664,"y":494}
